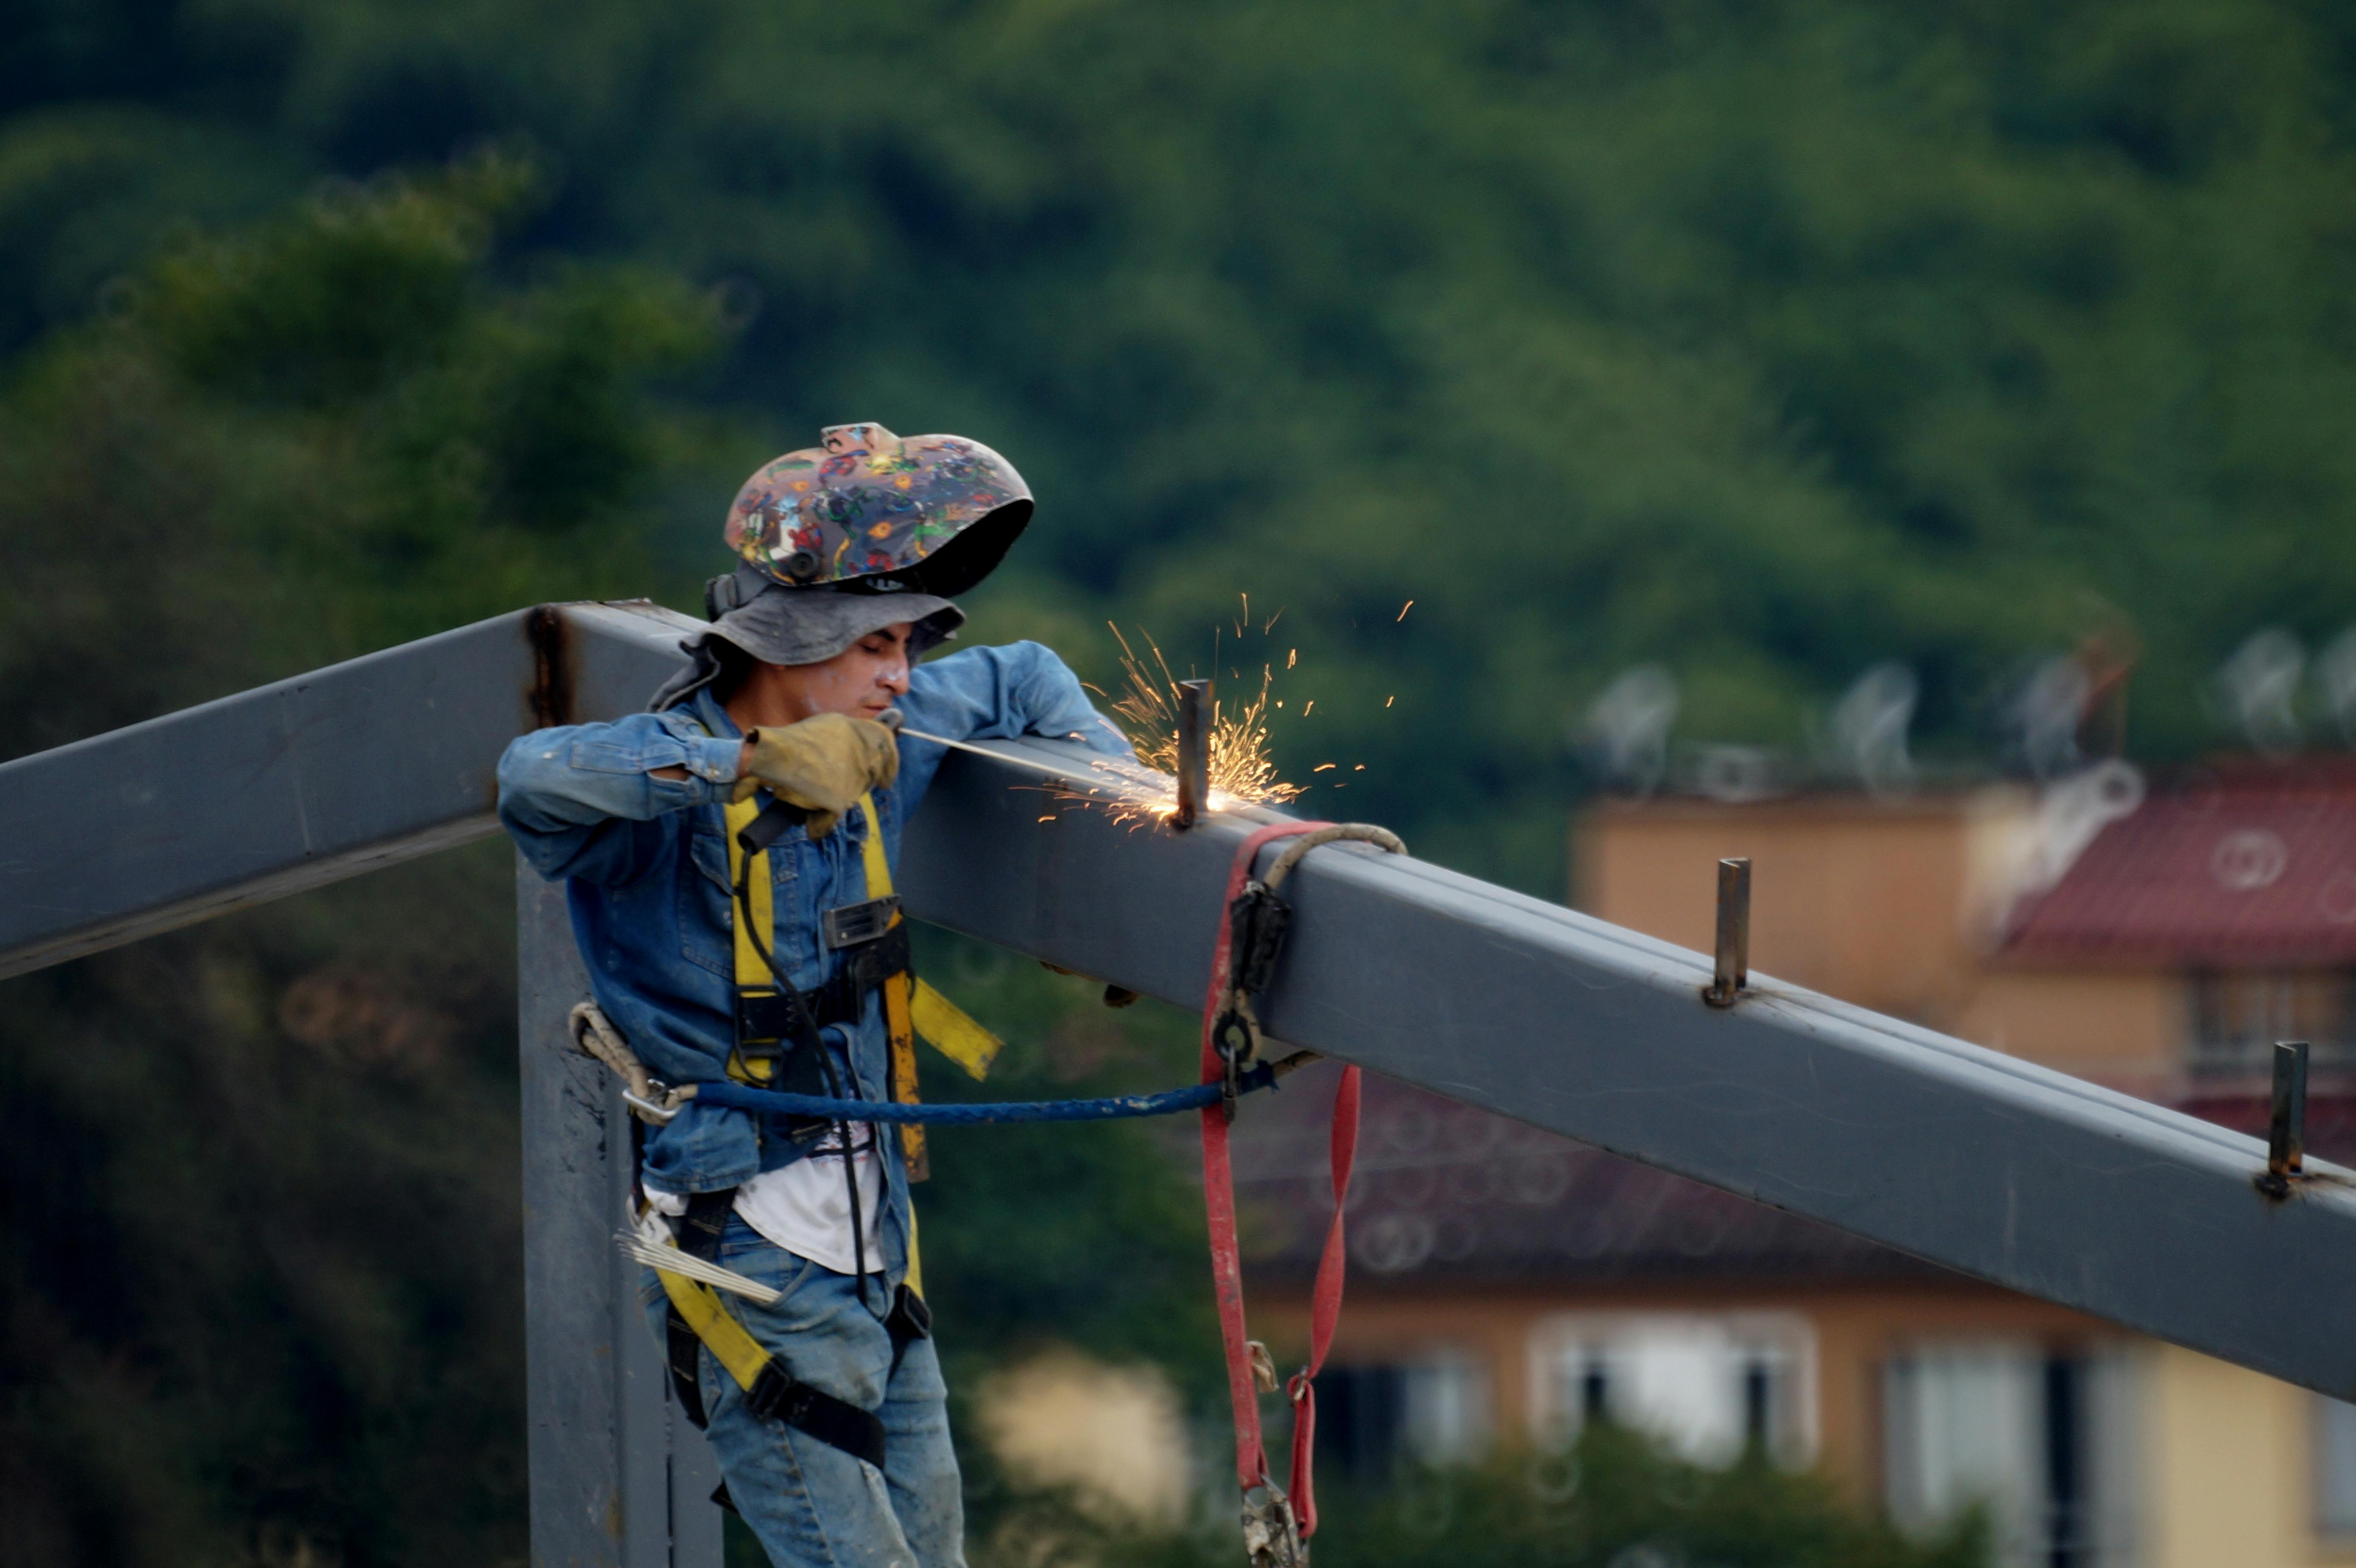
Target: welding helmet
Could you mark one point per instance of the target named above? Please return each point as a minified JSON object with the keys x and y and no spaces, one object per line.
{"x":868,"y":512}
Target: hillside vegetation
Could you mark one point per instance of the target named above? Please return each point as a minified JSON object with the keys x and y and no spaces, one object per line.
{"x":1473,"y":353}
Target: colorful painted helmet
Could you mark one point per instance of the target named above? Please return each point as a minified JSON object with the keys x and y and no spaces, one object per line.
{"x":870,"y":511}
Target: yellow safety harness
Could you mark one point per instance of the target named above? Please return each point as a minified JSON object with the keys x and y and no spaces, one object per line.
{"x":875,"y":930}
{"x":912,"y":1006}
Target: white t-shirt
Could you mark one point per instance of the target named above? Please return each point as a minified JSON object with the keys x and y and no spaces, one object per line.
{"x":805,"y":1207}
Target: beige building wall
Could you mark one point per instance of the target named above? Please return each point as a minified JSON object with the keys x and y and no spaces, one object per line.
{"x":2129,"y":1028}
{"x":1892,"y":905}
{"x":1857,"y":1328}
{"x":2224,"y":1471}
{"x":1863,"y":900}
{"x":2230,"y":1459}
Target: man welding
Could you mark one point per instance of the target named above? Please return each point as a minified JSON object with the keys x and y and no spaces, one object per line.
{"x":728,"y":857}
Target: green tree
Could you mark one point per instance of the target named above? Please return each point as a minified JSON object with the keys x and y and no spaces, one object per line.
{"x":260,"y":1294}
{"x":1768,"y":341}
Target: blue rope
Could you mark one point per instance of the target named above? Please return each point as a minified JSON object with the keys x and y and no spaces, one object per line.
{"x":1115,"y":1107}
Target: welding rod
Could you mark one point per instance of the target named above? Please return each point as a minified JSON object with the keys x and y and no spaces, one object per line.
{"x":890,"y":720}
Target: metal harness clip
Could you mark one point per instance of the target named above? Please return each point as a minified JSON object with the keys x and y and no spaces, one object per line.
{"x":1272,"y":1534}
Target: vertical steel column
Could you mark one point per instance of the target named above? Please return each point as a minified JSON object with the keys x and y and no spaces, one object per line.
{"x":618,"y":1479}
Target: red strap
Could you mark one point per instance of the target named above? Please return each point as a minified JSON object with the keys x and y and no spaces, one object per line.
{"x":1220,"y":1206}
{"x":1324,"y":1309}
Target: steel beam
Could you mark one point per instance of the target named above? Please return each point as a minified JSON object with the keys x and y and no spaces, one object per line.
{"x":301,"y":783}
{"x":1954,"y":1153}
{"x":1960,"y":1156}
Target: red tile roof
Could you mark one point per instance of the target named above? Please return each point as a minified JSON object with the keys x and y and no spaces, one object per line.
{"x":2238,"y":866}
{"x":1447,"y":1196}
{"x":1448,"y":1193}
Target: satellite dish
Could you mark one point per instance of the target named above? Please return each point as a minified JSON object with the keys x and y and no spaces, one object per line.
{"x":1626,"y":732}
{"x":2335,"y":672}
{"x":1869,"y":725}
{"x":2259,"y":689}
{"x":2045,"y":714}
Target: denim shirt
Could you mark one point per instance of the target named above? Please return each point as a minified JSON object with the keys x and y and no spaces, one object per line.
{"x":645,"y":864}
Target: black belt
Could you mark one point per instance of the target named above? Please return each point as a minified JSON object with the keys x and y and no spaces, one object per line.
{"x":765,"y":1015}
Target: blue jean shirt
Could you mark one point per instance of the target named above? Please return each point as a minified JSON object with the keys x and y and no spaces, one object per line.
{"x":646,"y":865}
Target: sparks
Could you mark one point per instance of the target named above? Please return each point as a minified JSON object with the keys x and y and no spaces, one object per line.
{"x":1403,"y":610}
{"x":1389,"y":700}
{"x":1321,"y":767}
{"x":1292,"y":657}
{"x":1307,"y":705}
{"x":1242,"y":773}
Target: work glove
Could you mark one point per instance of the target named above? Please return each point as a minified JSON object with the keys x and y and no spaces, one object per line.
{"x":822,"y":764}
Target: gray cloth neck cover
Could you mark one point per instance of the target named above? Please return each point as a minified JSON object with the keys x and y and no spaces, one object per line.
{"x":805,"y":626}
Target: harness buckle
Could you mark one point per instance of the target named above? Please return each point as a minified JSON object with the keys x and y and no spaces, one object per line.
{"x":764,"y":1016}
{"x":1259,"y":922}
{"x":852,"y":924}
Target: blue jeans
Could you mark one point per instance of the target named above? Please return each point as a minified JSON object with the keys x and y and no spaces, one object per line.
{"x":812,"y":1505}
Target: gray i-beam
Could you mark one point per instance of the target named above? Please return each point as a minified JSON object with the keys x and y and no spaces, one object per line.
{"x":1960,"y":1156}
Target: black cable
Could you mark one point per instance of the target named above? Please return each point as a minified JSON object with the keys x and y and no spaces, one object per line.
{"x":850,"y":1179}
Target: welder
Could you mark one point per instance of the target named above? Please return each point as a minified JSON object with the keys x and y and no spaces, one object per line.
{"x":728,"y":857}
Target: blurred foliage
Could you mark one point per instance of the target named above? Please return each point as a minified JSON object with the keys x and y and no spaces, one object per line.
{"x":1767,"y":340}
{"x":1611,"y":1500}
{"x":261,"y":1299}
{"x":328,"y":434}
{"x":1045,"y":1234}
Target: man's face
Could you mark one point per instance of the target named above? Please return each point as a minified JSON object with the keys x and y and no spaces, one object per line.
{"x":863,"y":680}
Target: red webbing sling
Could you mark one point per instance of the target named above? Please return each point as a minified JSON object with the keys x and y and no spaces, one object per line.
{"x":1226,"y":1263}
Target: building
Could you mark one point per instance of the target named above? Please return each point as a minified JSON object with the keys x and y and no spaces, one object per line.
{"x":1507,"y":1285}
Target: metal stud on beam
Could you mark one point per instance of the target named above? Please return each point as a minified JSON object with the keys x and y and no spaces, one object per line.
{"x":1733,"y":968}
{"x":1194,"y":752}
{"x":2287,"y":1130}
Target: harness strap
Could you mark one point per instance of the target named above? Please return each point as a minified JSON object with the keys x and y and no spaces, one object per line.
{"x":1324,"y":1307}
{"x":1219,"y":1196}
{"x":771,"y":1393}
{"x":1275,"y":1526}
{"x":696,"y":1317}
{"x":897,"y":1023}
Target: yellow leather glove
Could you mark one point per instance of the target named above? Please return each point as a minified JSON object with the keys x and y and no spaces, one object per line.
{"x":822,"y":764}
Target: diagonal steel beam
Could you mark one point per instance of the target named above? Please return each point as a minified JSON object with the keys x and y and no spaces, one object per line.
{"x":1960,"y":1156}
{"x":1957,"y":1154}
{"x":301,"y":783}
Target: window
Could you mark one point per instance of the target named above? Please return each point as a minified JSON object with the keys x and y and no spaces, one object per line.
{"x":2043,"y":1441}
{"x":1431,"y":1411}
{"x":2238,"y":1016}
{"x":2335,"y":1468}
{"x":1710,"y":1386}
